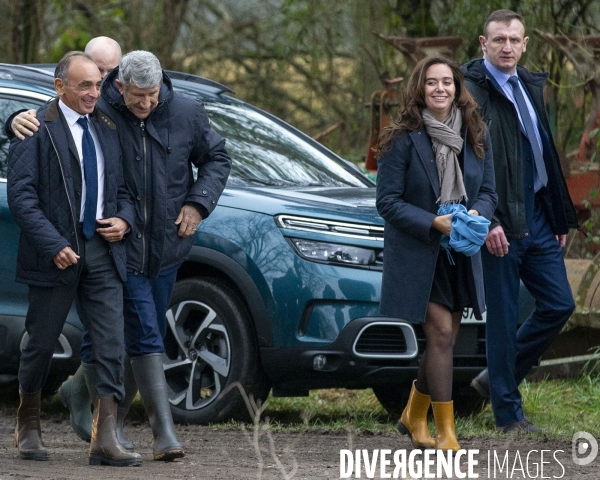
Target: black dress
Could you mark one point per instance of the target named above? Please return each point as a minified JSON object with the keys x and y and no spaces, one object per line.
{"x":453,"y":285}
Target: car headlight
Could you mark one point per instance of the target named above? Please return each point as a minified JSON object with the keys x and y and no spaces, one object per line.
{"x":334,"y":252}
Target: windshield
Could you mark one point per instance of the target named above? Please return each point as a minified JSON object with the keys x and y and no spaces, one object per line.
{"x":265,"y":153}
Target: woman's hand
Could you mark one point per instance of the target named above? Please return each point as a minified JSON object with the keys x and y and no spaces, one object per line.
{"x":443,"y":223}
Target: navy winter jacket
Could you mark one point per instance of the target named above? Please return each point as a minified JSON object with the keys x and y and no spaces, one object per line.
{"x":501,"y":117}
{"x":408,"y":187}
{"x":44,"y":195}
{"x":158,"y":155}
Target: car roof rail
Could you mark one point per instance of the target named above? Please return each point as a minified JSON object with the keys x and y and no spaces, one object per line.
{"x":26,"y":72}
{"x":43,"y":70}
{"x":188,"y":77}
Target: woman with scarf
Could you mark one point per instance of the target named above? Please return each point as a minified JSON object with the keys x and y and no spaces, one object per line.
{"x":435,"y":157}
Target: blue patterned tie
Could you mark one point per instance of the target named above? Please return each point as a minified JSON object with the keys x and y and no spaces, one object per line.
{"x":90,"y":172}
{"x":540,"y":167}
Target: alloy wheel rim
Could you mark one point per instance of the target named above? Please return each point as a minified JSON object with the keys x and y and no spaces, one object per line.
{"x":197,"y":361}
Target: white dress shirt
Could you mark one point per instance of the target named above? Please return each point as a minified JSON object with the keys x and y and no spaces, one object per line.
{"x":77,"y":133}
{"x":507,"y":89}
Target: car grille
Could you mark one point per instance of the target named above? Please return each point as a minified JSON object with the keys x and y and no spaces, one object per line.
{"x":386,"y":339}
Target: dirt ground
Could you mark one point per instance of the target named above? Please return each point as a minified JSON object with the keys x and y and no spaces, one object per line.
{"x":230,"y":454}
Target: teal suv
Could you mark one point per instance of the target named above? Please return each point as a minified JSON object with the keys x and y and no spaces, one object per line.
{"x":282,"y":287}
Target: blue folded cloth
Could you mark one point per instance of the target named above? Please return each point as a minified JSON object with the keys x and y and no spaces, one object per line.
{"x":468,"y":231}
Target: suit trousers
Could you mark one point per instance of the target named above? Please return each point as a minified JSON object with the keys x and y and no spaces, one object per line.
{"x":99,"y":292}
{"x":536,"y":260}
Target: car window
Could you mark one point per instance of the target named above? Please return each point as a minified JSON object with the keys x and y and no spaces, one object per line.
{"x":7,"y":107}
{"x":266,"y":153}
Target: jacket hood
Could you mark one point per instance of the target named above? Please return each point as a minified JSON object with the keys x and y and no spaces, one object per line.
{"x":475,"y":71}
{"x":110,"y":91}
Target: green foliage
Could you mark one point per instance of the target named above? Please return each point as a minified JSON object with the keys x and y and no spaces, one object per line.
{"x":70,"y":39}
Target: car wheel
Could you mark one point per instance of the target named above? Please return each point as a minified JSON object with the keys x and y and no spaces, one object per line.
{"x":210,"y":351}
{"x":393,"y":399}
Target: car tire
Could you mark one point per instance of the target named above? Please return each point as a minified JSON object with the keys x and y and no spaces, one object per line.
{"x":211,"y":354}
{"x":393,"y":399}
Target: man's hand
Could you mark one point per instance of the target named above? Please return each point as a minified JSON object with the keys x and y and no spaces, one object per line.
{"x":112,"y":229}
{"x":562,"y":240}
{"x":65,"y":258}
{"x":188,"y":220}
{"x":496,"y":242}
{"x":25,"y":123}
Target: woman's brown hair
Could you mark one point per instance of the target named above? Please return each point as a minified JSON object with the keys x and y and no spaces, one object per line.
{"x":409,"y":117}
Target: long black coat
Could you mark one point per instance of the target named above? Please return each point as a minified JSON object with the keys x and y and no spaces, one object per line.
{"x":407,"y":190}
{"x":44,"y":195}
{"x":500,"y":115}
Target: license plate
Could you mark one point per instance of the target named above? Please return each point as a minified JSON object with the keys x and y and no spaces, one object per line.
{"x":469,"y":316}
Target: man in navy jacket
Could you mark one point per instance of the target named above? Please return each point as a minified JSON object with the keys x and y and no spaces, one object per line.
{"x":66,"y":192}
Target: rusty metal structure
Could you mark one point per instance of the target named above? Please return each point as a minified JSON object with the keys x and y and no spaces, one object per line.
{"x":381,"y":105}
{"x":583,"y":52}
{"x":414,"y":49}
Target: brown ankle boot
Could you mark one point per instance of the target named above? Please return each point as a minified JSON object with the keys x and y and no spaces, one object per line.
{"x":105,"y":448}
{"x":413,"y":421}
{"x":445,"y":436}
{"x":28,"y":433}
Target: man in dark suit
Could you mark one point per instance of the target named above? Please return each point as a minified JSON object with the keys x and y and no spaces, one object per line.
{"x":66,"y":192}
{"x":531,"y":222}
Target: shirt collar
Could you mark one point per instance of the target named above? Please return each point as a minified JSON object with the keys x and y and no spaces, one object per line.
{"x":70,"y":115}
{"x":499,"y":76}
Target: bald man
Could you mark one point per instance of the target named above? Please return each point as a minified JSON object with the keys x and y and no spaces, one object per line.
{"x":106,"y":54}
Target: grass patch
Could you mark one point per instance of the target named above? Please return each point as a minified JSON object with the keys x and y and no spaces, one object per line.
{"x":562,"y":407}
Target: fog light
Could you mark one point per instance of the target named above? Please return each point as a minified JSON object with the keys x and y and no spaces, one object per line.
{"x":319,"y":362}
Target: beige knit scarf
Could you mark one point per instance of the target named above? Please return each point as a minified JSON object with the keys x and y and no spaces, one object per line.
{"x":447,"y":144}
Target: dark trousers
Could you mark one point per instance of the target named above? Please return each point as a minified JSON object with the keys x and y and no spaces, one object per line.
{"x":537,"y":260}
{"x":99,"y":292}
{"x":146,"y":302}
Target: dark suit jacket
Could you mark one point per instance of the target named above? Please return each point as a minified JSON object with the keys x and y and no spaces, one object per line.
{"x":44,"y":195}
{"x":407,"y":190}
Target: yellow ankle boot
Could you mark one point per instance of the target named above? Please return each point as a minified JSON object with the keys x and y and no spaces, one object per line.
{"x":445,"y":436}
{"x":413,"y":421}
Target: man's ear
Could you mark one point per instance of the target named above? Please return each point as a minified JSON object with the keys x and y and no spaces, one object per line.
{"x":119,"y":86}
{"x":59,"y":86}
{"x":482,"y":40}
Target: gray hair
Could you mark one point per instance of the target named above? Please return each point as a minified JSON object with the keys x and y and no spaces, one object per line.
{"x":141,"y":69}
{"x":62,"y":69}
